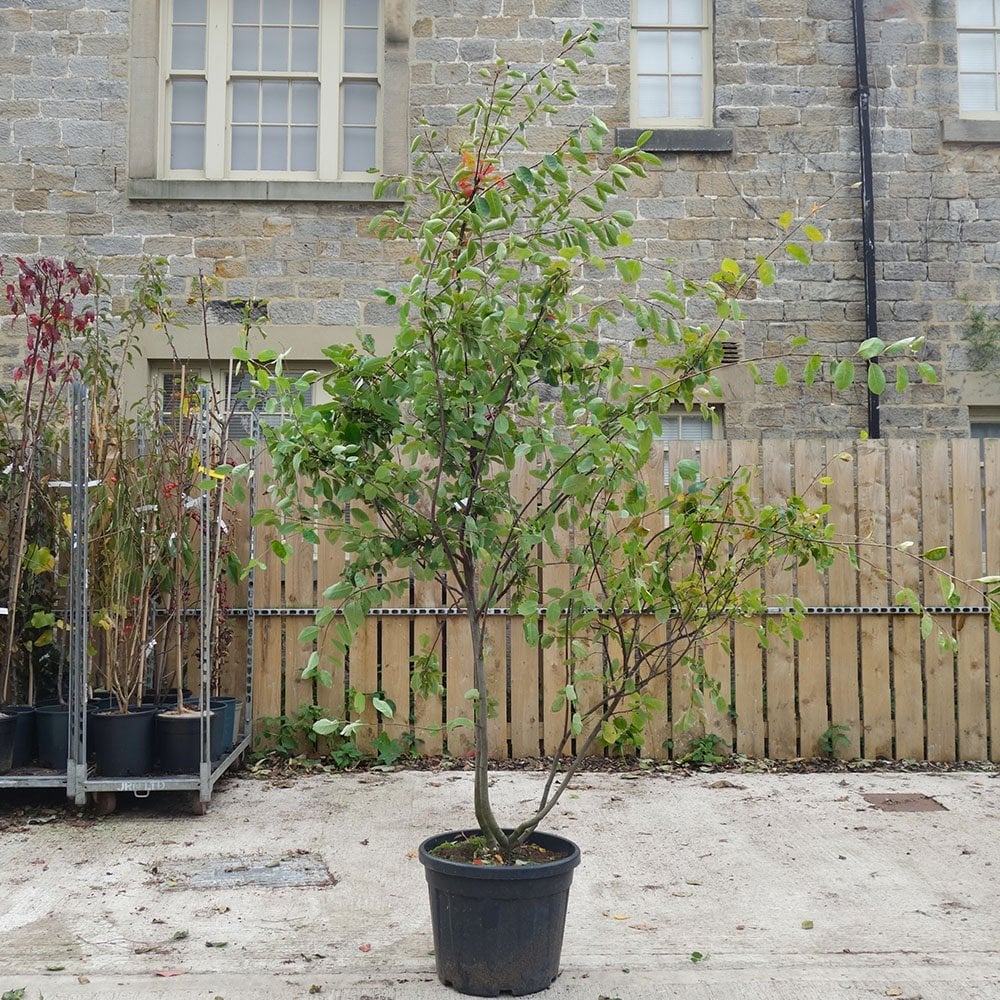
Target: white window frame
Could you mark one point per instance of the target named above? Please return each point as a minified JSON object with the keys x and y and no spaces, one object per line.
{"x":705,"y":119}
{"x":989,"y":30}
{"x":218,"y":100}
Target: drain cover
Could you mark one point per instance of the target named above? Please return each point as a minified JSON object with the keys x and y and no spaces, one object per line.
{"x":231,"y":873}
{"x":904,"y":802}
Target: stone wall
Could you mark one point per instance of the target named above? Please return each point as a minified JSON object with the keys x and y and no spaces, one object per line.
{"x":72,"y":89}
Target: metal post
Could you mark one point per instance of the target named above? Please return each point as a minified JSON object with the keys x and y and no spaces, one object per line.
{"x":79,"y":603}
{"x":206,"y":594}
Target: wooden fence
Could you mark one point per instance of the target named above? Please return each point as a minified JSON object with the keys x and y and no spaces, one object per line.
{"x":861,"y":663}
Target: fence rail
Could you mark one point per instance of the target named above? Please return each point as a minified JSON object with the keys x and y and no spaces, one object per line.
{"x":861,"y":663}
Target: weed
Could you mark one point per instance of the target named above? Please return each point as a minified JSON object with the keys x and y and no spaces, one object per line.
{"x":834,"y":738}
{"x":707,"y":749}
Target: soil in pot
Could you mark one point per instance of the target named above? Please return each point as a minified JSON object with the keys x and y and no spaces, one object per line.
{"x":498,"y":928}
{"x":122,"y":741}
{"x":8,"y":727}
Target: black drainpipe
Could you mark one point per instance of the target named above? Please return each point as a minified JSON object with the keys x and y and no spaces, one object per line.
{"x":867,"y":196}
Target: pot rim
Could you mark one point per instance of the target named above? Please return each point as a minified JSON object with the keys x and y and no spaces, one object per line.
{"x":551,"y":869}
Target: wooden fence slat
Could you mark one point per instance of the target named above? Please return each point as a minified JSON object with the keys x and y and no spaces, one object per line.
{"x":747,"y":652}
{"x":843,"y":592}
{"x":876,"y":700}
{"x":782,"y":726}
{"x":939,"y":664}
{"x":810,"y":466}
{"x":428,"y":633}
{"x":908,"y":695}
{"x":717,"y":651}
{"x":267,"y":684}
{"x":967,"y":507}
{"x":657,"y":735}
{"x":458,"y":680}
{"x":555,"y":673}
{"x":525,"y":678}
{"x":991,"y":512}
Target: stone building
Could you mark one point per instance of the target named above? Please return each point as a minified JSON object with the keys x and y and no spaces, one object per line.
{"x":232,"y":138}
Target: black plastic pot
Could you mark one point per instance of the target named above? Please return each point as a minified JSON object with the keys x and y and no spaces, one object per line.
{"x":219,"y":734}
{"x":122,"y":741}
{"x":24,"y":734}
{"x":178,"y":741}
{"x":52,"y":728}
{"x":498,"y":928}
{"x":8,"y":726}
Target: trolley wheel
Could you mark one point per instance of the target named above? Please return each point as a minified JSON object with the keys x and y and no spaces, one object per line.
{"x":198,"y":807}
{"x":105,"y":803}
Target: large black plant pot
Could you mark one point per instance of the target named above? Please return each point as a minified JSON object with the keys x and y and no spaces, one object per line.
{"x":122,"y":741}
{"x":498,"y":928}
{"x":178,"y":741}
{"x":52,"y":730}
{"x":8,"y":727}
{"x":24,"y":734}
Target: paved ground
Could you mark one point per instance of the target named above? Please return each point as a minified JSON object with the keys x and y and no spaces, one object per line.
{"x":792,"y":887}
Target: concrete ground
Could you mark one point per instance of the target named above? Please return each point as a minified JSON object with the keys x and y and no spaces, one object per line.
{"x":789,"y":887}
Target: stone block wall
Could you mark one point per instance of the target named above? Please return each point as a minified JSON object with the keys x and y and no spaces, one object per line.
{"x":71,"y":93}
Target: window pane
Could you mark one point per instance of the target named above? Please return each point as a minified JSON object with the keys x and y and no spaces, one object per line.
{"x":274,"y":101}
{"x":275,"y":11}
{"x":361,"y":50}
{"x":305,"y":49}
{"x":273,"y":148}
{"x":247,"y":12}
{"x":651,"y":51}
{"x":245,"y":42}
{"x":188,"y":47}
{"x":305,"y":103}
{"x":685,"y":97}
{"x":695,"y":428}
{"x":651,"y":12}
{"x":187,"y":147}
{"x":359,"y":148}
{"x":984,"y":430}
{"x":976,"y":52}
{"x":360,"y":103}
{"x":244,"y":147}
{"x":245,"y":95}
{"x":975,"y":14}
{"x":686,"y":12}
{"x":654,"y":96}
{"x":305,"y":11}
{"x":190,"y":11}
{"x":977,"y":92}
{"x":303,"y":149}
{"x":685,"y":51}
{"x":274,"y":49}
{"x":187,"y":100}
{"x":362,"y":13}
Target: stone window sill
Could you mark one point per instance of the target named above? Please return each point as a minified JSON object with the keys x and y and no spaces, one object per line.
{"x":970,"y":130}
{"x":679,"y":140}
{"x":154,"y":189}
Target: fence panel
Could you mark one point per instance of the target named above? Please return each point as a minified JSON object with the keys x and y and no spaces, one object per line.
{"x":871,"y":673}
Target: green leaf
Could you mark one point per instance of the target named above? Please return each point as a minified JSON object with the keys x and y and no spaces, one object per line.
{"x":623,"y":218}
{"x":876,"y":378}
{"x":785,"y":219}
{"x":630,"y":270}
{"x":871,"y":348}
{"x":927,"y":372}
{"x":797,"y":253}
{"x":813,"y":234}
{"x":383,"y":707}
{"x":936,"y":554}
{"x":781,"y":374}
{"x":902,"y":378}
{"x":926,"y":626}
{"x":843,"y":374}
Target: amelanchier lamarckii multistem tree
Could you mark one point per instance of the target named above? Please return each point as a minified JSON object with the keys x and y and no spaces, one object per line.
{"x":520,"y":261}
